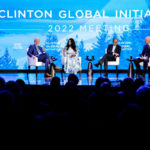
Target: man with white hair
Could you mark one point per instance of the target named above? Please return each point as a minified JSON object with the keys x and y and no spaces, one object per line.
{"x":144,"y":57}
{"x":37,"y":51}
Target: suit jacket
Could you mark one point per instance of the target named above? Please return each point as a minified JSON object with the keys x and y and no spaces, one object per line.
{"x":146,"y":51}
{"x":117,"y":49}
{"x":33,"y":51}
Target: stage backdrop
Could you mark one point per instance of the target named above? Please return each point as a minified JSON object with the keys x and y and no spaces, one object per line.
{"x":92,"y":23}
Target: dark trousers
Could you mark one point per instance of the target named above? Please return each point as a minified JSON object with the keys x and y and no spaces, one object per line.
{"x":47,"y":60}
{"x":105,"y":59}
{"x":137,"y":64}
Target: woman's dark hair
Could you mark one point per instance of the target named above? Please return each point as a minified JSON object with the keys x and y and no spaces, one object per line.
{"x":73,"y":45}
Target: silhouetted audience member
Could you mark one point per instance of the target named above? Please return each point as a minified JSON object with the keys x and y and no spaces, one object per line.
{"x":105,"y":87}
{"x":100,"y":84}
{"x":55,"y":83}
{"x":71,"y":91}
{"x":100,"y":80}
{"x":128,"y":84}
{"x":74,"y":106}
{"x":138,"y":82}
{"x":74,"y":78}
{"x":127,"y":94}
{"x":143,"y":96}
{"x":2,"y":84}
{"x":14,"y":88}
{"x":21,"y":83}
{"x":7,"y":110}
{"x":132,"y":116}
{"x":6,"y":101}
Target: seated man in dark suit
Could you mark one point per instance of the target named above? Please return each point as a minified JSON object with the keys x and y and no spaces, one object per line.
{"x":39,"y":52}
{"x":113,"y":51}
{"x":144,"y":57}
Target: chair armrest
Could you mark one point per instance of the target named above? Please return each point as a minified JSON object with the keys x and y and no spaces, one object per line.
{"x":32,"y":61}
{"x":118,"y":59}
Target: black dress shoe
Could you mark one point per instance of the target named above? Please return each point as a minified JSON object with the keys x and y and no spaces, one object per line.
{"x":57,"y":68}
{"x":96,"y":65}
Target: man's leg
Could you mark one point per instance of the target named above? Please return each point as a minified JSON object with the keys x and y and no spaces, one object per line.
{"x":106,"y":59}
{"x":45,"y":59}
{"x":137,"y":64}
{"x":105,"y":66}
{"x":51,"y":62}
{"x":145,"y":66}
{"x":101,"y":61}
{"x":47,"y":66}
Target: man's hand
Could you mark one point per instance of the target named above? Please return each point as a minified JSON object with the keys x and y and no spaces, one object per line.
{"x":43,"y":49}
{"x":34,"y":57}
{"x":143,"y":58}
{"x":116,"y":54}
{"x":72,"y":56}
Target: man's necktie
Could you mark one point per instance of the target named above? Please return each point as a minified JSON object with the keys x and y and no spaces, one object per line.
{"x":39,"y":52}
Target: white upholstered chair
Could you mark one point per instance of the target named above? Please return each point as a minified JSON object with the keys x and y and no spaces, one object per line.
{"x":112,"y":63}
{"x":142,"y":63}
{"x":34,"y":62}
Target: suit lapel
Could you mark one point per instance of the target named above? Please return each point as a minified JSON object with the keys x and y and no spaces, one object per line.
{"x":116,"y":49}
{"x":35,"y":47}
{"x":112,"y":48}
{"x":148,"y":47}
{"x":40,"y":49}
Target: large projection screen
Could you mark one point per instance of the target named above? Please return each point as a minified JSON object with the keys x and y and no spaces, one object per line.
{"x":92,"y":23}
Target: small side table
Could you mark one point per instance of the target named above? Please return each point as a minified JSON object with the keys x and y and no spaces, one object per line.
{"x":52,"y":68}
{"x":131,"y":68}
{"x":90,"y":67}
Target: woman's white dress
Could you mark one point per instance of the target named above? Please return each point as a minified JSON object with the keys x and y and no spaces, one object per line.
{"x":71,"y":65}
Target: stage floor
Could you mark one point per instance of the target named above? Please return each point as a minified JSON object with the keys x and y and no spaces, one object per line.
{"x":84,"y":80}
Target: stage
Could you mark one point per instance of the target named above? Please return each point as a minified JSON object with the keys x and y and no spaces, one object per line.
{"x":31,"y":78}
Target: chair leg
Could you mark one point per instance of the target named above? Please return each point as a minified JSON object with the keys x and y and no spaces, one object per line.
{"x":36,"y":71}
{"x":148,"y":73}
{"x":80,"y":74}
{"x":28,"y":71}
{"x":117,"y":71}
{"x":100,"y":70}
{"x":61,"y":74}
{"x":62,"y":71}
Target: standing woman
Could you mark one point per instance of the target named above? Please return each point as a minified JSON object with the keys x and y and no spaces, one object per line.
{"x":70,"y":59}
